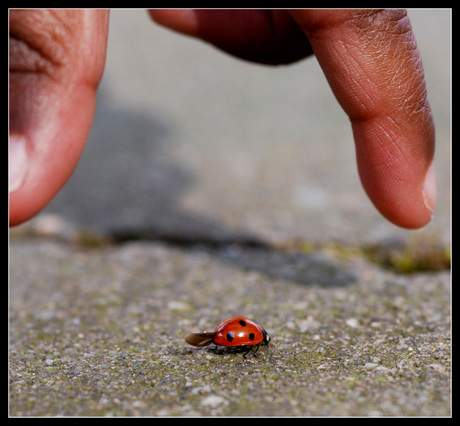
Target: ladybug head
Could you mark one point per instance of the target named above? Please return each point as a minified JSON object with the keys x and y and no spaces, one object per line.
{"x":266,"y":336}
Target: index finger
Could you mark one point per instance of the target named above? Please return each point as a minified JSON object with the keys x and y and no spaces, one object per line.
{"x":371,"y":61}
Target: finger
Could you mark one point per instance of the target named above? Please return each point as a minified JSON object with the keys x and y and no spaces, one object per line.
{"x":373,"y":66}
{"x":56,"y":63}
{"x":269,"y":37}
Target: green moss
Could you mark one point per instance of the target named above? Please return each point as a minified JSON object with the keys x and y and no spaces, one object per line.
{"x":423,"y":252}
{"x":420,"y":254}
{"x":89,"y":239}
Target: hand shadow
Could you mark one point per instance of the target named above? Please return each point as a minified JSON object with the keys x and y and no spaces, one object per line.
{"x":128,"y":185}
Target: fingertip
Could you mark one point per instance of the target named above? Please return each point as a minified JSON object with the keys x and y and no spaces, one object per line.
{"x":181,"y":20}
{"x":373,"y":65}
{"x":403,"y":200}
{"x":261,"y":36}
{"x":45,"y":157}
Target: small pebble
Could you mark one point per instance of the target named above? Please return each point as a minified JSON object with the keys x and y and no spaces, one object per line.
{"x":352,"y":322}
{"x":370,"y":365}
{"x":213,"y":401}
{"x":437,"y":367}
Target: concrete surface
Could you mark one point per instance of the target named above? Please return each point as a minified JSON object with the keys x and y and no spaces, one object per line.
{"x":100,"y":332}
{"x":235,"y":189}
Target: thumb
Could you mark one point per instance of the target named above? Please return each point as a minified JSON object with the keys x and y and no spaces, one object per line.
{"x":56,"y":62}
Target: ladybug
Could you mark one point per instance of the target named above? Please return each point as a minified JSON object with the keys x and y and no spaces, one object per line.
{"x":237,"y":331}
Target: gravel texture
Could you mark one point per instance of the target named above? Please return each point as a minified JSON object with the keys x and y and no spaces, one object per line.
{"x":100,"y":332}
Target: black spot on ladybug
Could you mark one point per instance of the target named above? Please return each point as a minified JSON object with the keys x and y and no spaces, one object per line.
{"x":230,"y":336}
{"x":242,"y":323}
{"x":251,"y":336}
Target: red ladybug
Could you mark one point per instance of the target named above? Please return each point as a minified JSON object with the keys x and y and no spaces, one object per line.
{"x":237,"y":331}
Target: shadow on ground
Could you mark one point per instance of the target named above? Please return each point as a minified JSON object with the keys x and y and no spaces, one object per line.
{"x":312,"y":269}
{"x":128,"y":185}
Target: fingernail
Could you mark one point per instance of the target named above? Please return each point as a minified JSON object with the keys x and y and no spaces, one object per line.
{"x":17,"y":162}
{"x":429,"y":189}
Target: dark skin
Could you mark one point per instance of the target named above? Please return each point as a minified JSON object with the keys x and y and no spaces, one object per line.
{"x":369,"y":57}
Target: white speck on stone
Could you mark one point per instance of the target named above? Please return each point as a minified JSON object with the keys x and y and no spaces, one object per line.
{"x":201,"y":390}
{"x":176,"y":305}
{"x":370,"y":365}
{"x":308,"y":324}
{"x":139,"y":404}
{"x":50,"y":224}
{"x":352,"y":322}
{"x":213,"y":401}
{"x":437,"y":367}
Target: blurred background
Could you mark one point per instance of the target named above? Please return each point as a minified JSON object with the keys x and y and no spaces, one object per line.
{"x":190,"y":142}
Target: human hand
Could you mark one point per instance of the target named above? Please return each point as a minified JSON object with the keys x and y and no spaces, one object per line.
{"x":56,"y":62}
{"x":369,"y":58}
{"x":374,"y":69}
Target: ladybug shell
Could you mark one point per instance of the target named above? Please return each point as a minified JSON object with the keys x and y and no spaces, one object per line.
{"x":239,"y":331}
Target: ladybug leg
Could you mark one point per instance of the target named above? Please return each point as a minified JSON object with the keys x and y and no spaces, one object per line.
{"x":217,"y":350}
{"x":246,"y":353}
{"x":256,"y":350}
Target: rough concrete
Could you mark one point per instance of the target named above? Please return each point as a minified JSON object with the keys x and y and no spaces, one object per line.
{"x":101,"y":332}
{"x":240,"y":182}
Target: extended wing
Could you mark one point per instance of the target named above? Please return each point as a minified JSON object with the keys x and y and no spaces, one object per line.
{"x":200,"y":339}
